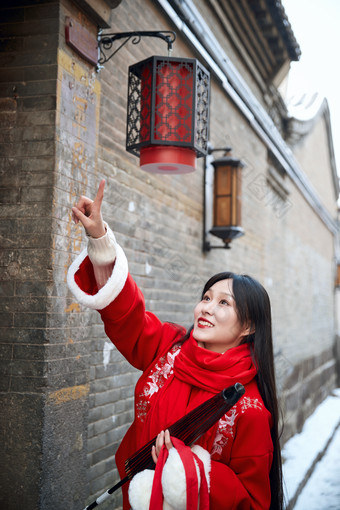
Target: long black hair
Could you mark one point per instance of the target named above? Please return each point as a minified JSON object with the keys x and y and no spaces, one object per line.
{"x":254,"y":311}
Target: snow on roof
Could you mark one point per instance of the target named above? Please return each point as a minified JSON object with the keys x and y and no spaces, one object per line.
{"x":306,"y":106}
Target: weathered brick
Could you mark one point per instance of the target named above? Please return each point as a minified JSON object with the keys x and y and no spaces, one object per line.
{"x":7,"y":119}
{"x":45,"y":11}
{"x":67,"y":365}
{"x":29,"y":352}
{"x":28,"y":368}
{"x":6,"y":352}
{"x":8,"y":104}
{"x":106,"y":397}
{"x":6,"y":288}
{"x":13,"y":335}
{"x":27,"y":384}
{"x":40,"y":118}
{"x":28,"y":28}
{"x":47,"y":102}
{"x":103,"y":426}
{"x":12,"y":15}
{"x":32,"y":320}
{"x":103,"y":453}
{"x":11,"y":75}
{"x":6,"y":320}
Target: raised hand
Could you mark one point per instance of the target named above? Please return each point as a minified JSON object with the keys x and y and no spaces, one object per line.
{"x":88,"y":212}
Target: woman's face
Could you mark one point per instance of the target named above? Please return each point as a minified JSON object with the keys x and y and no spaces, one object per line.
{"x":216,"y":325}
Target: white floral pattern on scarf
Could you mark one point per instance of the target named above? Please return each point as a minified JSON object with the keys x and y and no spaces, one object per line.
{"x":226,"y":425}
{"x":162,"y":370}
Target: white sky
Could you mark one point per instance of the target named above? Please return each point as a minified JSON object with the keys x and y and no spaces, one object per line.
{"x":316,"y":26}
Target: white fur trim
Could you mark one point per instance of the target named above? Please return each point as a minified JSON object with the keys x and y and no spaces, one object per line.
{"x":174,"y":480}
{"x":140,"y":490}
{"x":166,"y":506}
{"x":204,"y":456}
{"x":111,"y":289}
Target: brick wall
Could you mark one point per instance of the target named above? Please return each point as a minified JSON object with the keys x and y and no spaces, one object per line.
{"x":44,"y":388}
{"x":27,"y":112}
{"x":67,"y":392}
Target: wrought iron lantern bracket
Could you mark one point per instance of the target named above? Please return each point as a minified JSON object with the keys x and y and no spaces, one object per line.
{"x":105,"y":42}
{"x":226,"y":150}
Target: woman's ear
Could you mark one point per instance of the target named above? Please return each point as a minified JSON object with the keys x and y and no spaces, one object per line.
{"x":249,"y":330}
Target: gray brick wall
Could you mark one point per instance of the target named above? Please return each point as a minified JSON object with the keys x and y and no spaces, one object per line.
{"x":44,"y":380}
{"x":27,"y":111}
{"x":66,"y":391}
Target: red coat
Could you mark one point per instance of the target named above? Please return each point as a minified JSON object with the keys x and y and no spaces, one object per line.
{"x":241,"y":449}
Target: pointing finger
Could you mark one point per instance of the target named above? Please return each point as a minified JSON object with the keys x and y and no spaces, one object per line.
{"x":100,"y":193}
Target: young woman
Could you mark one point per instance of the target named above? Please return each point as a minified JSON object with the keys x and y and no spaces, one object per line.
{"x":237,"y":463}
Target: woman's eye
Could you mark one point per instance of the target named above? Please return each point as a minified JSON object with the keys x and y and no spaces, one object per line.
{"x":224,"y":302}
{"x":206,"y":298}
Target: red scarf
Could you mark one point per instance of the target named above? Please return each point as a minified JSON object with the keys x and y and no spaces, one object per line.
{"x":198,"y":375}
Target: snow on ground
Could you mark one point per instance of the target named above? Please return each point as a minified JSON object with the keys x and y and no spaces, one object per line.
{"x":322,"y":492}
{"x":302,"y":450}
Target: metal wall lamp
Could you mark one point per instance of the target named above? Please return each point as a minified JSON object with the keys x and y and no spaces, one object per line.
{"x":168,"y":99}
{"x":167,"y":107}
{"x":337,"y":276}
{"x":226,"y":188}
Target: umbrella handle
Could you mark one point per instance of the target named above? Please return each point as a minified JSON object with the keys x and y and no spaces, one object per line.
{"x":106,"y":494}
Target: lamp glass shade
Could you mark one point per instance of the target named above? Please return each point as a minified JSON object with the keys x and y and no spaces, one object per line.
{"x":168,"y":113}
{"x":337,"y":279}
{"x":227,"y":198}
{"x":227,"y":210}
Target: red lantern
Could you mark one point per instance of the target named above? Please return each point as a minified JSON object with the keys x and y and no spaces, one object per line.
{"x":168,"y":114}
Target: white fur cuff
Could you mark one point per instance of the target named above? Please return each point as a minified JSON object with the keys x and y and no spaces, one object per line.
{"x":109,"y":291}
{"x":173,"y":482}
{"x":204,"y":456}
{"x":140,"y":490}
